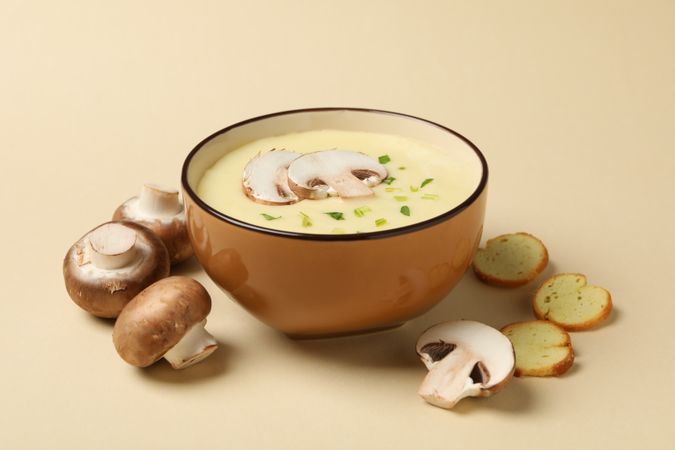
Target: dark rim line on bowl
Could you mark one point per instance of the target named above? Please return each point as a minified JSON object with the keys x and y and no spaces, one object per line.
{"x":336,"y":237}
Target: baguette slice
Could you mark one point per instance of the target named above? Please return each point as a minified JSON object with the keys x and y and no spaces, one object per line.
{"x":566,"y":299}
{"x":542,"y":348}
{"x":510,"y":260}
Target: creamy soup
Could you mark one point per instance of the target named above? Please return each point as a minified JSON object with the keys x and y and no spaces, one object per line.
{"x":423,"y":182}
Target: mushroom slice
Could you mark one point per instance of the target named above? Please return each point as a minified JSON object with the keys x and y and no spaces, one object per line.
{"x":465,"y":359}
{"x":265,"y":179}
{"x":112,"y":263}
{"x":166,"y":320}
{"x":160,"y":209}
{"x":343,"y":173}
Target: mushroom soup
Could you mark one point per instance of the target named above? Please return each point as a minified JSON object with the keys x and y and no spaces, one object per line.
{"x":335,"y":181}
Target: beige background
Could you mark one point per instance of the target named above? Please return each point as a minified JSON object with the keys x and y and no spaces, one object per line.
{"x":572,"y":102}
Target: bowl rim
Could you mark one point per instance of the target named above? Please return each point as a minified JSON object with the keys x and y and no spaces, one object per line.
{"x":335,"y":237}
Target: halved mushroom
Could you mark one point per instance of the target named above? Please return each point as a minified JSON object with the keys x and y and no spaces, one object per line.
{"x":160,"y":209}
{"x":341,"y":173}
{"x":265,"y":178}
{"x":112,"y":263}
{"x":465,"y":359}
{"x":166,"y":320}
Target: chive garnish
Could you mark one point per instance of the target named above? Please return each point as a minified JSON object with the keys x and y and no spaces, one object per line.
{"x":380,"y":222}
{"x":430,"y":197}
{"x":425,"y":182}
{"x":414,"y":189}
{"x":388,"y":180}
{"x":361,"y":211}
{"x":400,"y":198}
{"x":336,"y":215}
{"x":268,"y":217}
{"x":405,"y":210}
{"x":384,"y":159}
{"x":401,"y":168}
{"x":391,"y":189}
{"x":306,"y":221}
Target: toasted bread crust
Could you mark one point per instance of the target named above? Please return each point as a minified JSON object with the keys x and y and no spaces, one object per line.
{"x":551,"y":371}
{"x":592,"y":322}
{"x":509,"y":283}
{"x":556,"y":369}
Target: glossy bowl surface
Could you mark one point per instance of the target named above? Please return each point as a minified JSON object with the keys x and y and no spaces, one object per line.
{"x":308,"y":285}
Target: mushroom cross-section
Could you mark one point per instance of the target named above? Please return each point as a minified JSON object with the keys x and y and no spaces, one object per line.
{"x":166,"y":320}
{"x":265,"y":178}
{"x":160,"y":209}
{"x":341,"y":173}
{"x":465,"y":359}
{"x":112,"y":263}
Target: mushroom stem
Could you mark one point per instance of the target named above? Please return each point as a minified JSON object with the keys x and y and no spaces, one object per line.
{"x":347,"y":185}
{"x":449,"y":380}
{"x":113,"y":246}
{"x":193,"y":347}
{"x":157,"y":201}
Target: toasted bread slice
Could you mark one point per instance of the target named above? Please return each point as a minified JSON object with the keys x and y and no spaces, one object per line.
{"x":511,"y":260}
{"x":568,"y":301}
{"x":542,"y":348}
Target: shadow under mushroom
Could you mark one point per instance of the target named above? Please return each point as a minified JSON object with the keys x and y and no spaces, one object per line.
{"x":210,"y":368}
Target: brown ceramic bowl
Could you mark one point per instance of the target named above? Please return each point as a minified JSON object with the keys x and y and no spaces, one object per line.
{"x":308,"y":285}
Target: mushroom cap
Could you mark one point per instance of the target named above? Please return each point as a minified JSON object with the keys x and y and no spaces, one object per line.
{"x":265,"y":178}
{"x":344,"y":173}
{"x":171,"y":230}
{"x":104,"y":293}
{"x":157,"y":318}
{"x":492,"y":349}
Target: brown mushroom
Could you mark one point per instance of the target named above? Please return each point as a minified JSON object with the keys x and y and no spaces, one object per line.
{"x":166,"y":320}
{"x":112,"y":263}
{"x":341,"y":173}
{"x":160,"y":210}
{"x":265,"y":178}
{"x":465,"y":359}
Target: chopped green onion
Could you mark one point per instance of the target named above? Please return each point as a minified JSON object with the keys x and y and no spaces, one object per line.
{"x":414,"y":189}
{"x":361,"y":211}
{"x":405,"y":210}
{"x":430,"y":197}
{"x":384,"y":159}
{"x":268,"y":217}
{"x":390,"y":189}
{"x":336,"y":215}
{"x":425,"y":182}
{"x":400,"y":198}
{"x":306,"y":221}
{"x":401,"y":168}
{"x":388,"y":180}
{"x":380,"y":222}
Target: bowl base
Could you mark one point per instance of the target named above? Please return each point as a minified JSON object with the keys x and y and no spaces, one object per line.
{"x":343,"y":333}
